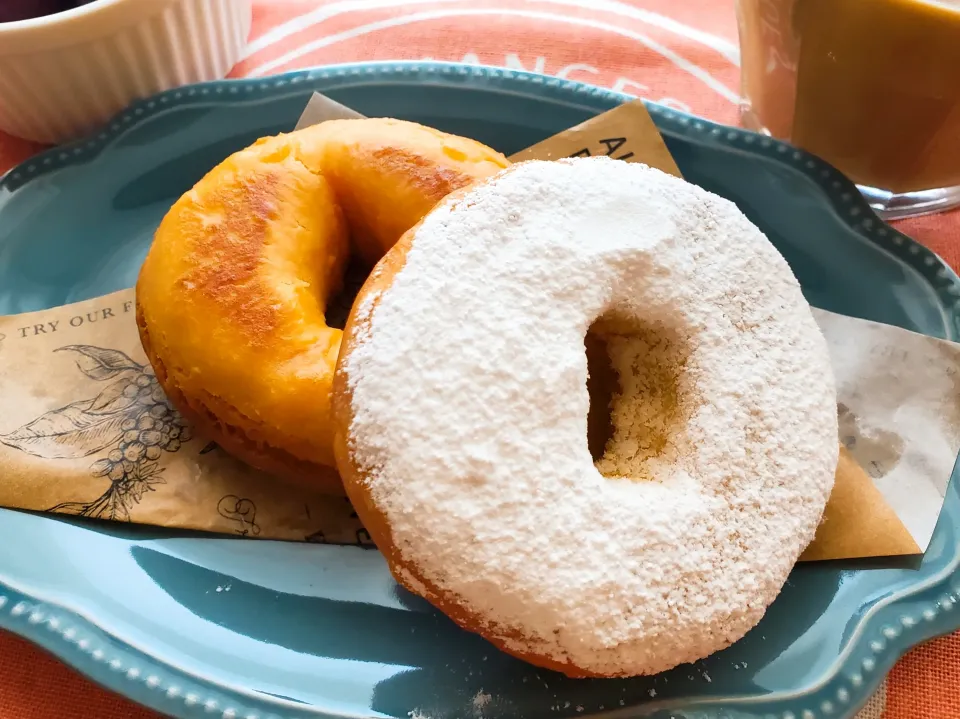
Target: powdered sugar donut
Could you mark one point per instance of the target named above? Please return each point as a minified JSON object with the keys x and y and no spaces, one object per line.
{"x":461,"y":416}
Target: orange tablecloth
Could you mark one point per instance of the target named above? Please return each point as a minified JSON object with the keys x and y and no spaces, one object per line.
{"x":679,"y":52}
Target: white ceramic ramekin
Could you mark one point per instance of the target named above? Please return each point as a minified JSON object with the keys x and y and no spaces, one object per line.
{"x":64,"y":74}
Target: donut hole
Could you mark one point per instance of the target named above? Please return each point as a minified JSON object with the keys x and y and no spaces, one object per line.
{"x":602,"y":386}
{"x":340,"y":303}
{"x":639,"y":395}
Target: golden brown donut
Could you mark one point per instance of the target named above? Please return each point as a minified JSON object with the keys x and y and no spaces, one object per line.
{"x":231,"y":298}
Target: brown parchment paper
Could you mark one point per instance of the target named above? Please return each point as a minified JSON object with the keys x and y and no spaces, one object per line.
{"x":898,"y":396}
{"x":625,"y":133}
{"x":857,"y":520}
{"x":86,"y":431}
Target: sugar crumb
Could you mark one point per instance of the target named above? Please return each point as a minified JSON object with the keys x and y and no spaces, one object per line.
{"x":481,"y":700}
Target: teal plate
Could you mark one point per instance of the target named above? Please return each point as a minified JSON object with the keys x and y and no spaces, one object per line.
{"x":213,"y":627}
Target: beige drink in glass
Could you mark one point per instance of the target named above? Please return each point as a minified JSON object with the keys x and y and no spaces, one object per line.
{"x":870,"y":86}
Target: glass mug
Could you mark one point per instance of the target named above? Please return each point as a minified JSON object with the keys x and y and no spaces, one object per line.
{"x":870,"y":86}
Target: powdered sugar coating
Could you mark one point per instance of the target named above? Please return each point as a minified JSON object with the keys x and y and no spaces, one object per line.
{"x":469,"y":402}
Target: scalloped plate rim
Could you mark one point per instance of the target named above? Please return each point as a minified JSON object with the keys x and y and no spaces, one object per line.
{"x":903,"y":248}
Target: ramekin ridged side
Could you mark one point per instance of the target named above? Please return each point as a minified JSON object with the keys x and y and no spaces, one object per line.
{"x":63,"y":75}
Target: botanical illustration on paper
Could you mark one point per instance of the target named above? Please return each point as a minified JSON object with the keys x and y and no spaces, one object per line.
{"x":242,"y":511}
{"x":125,"y":429}
{"x":362,"y":536}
